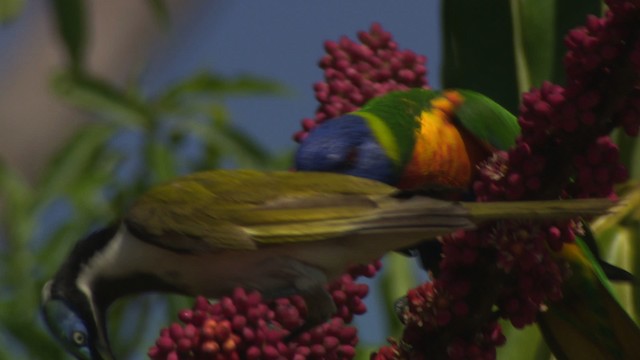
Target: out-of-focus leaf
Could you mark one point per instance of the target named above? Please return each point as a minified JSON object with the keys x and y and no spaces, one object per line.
{"x":16,"y":197}
{"x":9,"y":10}
{"x":618,"y":233}
{"x":619,"y":246}
{"x":161,"y":11}
{"x":523,"y":344}
{"x":74,"y":161}
{"x":161,"y":161}
{"x":629,"y":152}
{"x":71,"y":23}
{"x":364,"y":352}
{"x":62,"y":239}
{"x":251,"y":149}
{"x":478,"y":49}
{"x":628,"y":205}
{"x":229,"y":141}
{"x":131,"y":318}
{"x":533,"y":32}
{"x":100,"y":97}
{"x":541,"y":26}
{"x":398,"y":278}
{"x":281,"y":161}
{"x":206,"y":85}
{"x":21,"y":326}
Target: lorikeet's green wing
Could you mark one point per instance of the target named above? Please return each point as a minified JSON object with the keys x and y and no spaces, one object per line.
{"x":588,"y":323}
{"x":487,"y":121}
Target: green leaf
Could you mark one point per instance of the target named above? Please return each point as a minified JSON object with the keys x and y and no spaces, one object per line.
{"x":629,"y":152}
{"x":206,"y":84}
{"x":161,"y":11}
{"x":540,"y":27}
{"x":533,"y":36}
{"x":37,"y":342}
{"x":248,"y":147}
{"x":16,"y":195}
{"x":478,"y":49}
{"x":363,"y":352}
{"x":523,"y":344}
{"x":71,"y":22}
{"x":100,"y":97}
{"x":81,"y":155}
{"x":281,"y":160}
{"x":161,"y":161}
{"x":397,"y":279}
{"x":226,"y":140}
{"x":10,"y":9}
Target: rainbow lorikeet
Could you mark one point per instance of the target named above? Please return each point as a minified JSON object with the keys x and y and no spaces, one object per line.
{"x":432,"y":141}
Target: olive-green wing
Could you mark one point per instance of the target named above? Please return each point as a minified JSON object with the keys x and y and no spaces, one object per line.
{"x":227,"y":209}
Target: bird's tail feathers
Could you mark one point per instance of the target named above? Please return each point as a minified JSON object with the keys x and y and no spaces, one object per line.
{"x":537,"y":210}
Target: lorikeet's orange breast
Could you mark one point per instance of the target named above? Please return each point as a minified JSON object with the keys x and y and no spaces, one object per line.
{"x":444,"y":156}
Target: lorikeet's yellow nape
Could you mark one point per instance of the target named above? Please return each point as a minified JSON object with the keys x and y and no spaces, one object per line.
{"x":445,"y":154}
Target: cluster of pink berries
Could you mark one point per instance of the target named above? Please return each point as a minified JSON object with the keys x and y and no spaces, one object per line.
{"x":598,"y":169}
{"x":245,"y":326}
{"x":357,"y":72}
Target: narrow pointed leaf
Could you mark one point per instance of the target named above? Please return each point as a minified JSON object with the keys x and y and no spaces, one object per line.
{"x":100,"y":97}
{"x":478,"y":49}
{"x":206,"y":85}
{"x":71,"y":22}
{"x":75,"y":161}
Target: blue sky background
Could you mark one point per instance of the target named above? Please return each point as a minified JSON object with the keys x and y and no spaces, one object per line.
{"x":283,"y":40}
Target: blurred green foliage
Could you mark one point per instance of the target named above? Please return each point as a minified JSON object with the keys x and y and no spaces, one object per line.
{"x":497,"y":48}
{"x":133,"y":142}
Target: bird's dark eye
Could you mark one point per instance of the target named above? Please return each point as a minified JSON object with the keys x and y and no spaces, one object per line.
{"x":79,"y":338}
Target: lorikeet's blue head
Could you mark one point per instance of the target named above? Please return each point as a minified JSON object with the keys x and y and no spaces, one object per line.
{"x":346,"y":145}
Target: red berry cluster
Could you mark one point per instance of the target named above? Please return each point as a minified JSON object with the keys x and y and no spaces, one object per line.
{"x":244,"y":326}
{"x":357,"y":72}
{"x":599,"y":169}
{"x":562,"y":152}
{"x":481,"y":347}
{"x":523,"y":251}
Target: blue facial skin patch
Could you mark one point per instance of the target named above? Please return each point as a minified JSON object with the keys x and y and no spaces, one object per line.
{"x":67,"y":327}
{"x":345,"y":145}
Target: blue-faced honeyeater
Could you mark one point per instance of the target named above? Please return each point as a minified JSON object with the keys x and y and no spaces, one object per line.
{"x":280,"y":233}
